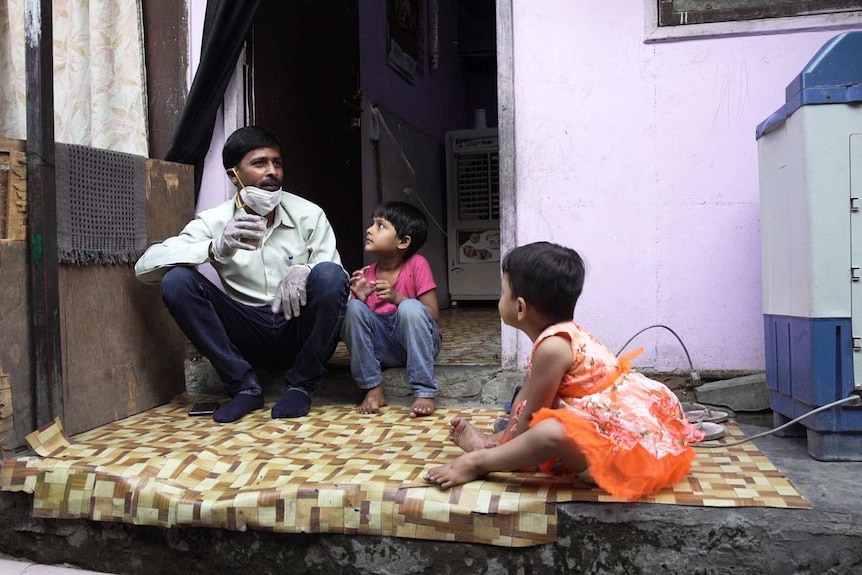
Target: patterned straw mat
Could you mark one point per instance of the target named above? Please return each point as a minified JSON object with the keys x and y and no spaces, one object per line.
{"x":333,"y":472}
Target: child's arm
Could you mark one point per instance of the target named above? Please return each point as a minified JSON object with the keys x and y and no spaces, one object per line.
{"x":429,"y":300}
{"x":550,"y":362}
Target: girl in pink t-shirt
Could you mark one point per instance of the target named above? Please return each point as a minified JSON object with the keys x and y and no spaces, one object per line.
{"x":391,"y":317}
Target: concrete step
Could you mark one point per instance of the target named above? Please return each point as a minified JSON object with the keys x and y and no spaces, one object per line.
{"x":458,"y":384}
{"x":744,"y":393}
{"x":16,"y":567}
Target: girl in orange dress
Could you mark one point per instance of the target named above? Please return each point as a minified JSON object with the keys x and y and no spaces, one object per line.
{"x":580,"y":405}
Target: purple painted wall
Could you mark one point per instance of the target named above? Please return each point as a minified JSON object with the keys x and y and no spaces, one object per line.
{"x":435,"y":103}
{"x":643,"y":158}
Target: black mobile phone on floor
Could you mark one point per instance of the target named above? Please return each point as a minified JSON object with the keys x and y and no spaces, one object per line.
{"x":203,"y":408}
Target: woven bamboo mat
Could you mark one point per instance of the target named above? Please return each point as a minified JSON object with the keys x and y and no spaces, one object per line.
{"x":332,"y":472}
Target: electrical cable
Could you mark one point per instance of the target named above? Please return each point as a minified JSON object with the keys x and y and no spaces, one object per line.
{"x":695,"y":377}
{"x":855,"y":398}
{"x":407,"y":190}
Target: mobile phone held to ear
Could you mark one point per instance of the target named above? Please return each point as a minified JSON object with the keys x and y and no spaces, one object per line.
{"x":203,"y":408}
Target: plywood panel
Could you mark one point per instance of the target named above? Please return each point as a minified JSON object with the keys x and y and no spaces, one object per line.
{"x":13,"y":173}
{"x":16,"y":419}
{"x":170,"y":198}
{"x":122,"y":352}
{"x":16,"y":414}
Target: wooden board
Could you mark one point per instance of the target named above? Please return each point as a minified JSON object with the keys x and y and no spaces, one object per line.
{"x":13,"y":189}
{"x":121,"y":352}
{"x":16,"y":413}
{"x":170,"y":198}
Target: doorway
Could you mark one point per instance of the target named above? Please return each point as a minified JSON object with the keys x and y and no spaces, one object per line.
{"x":304,"y":74}
{"x":362,"y":102}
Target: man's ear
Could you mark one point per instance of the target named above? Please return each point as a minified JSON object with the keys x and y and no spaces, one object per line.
{"x":404,"y":242}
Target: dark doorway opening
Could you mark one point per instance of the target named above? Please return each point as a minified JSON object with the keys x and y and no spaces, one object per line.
{"x":422,"y":77}
{"x":305,"y":75}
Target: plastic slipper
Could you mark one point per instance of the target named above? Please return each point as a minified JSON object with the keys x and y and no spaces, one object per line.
{"x":711,"y":431}
{"x":706,"y":414}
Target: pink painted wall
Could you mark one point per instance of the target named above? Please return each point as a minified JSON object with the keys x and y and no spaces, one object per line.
{"x":643,"y":158}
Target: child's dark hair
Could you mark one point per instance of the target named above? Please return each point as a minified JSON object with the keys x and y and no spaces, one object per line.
{"x":549,"y":277}
{"x":408,"y":220}
{"x":245,"y":140}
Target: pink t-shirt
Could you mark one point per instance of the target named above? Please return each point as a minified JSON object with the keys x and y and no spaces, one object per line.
{"x":414,"y":280}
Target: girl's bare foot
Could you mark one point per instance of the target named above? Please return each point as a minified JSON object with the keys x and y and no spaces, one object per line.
{"x":463,"y":470}
{"x":374,"y":400}
{"x":467,"y":437}
{"x":423,"y":406}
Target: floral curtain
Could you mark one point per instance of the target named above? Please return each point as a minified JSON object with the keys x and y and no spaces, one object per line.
{"x":99,"y":75}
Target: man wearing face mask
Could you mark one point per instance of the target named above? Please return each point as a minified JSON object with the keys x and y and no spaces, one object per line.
{"x":285,"y":290}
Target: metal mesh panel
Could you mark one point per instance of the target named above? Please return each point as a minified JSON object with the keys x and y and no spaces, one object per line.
{"x":478,"y":184}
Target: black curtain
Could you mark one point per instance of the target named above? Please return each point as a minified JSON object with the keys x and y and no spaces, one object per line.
{"x":226,"y":25}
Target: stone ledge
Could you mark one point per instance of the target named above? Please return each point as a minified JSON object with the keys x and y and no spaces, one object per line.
{"x":483,"y":385}
{"x":746,"y":393}
{"x":594,"y":539}
{"x":477,"y":385}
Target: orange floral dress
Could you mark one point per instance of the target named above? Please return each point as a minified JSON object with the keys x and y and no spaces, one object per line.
{"x":631,"y":429}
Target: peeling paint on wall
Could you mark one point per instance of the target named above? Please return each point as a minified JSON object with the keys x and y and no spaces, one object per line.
{"x":33,"y":22}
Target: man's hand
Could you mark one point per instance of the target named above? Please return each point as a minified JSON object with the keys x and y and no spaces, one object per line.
{"x":290,"y":294}
{"x":244,"y":232}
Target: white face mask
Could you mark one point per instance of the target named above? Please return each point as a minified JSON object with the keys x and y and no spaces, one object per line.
{"x":261,"y":201}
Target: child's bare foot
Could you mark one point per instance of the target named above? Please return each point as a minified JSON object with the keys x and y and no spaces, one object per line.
{"x":423,"y":406}
{"x":374,"y":400}
{"x":463,"y":470}
{"x":467,"y":437}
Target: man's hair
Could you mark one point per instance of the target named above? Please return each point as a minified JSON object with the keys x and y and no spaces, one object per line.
{"x":245,"y":140}
{"x":548,"y":276}
{"x":408,"y":220}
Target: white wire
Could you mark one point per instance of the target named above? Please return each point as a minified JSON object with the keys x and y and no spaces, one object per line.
{"x":679,"y":339}
{"x":408,"y":191}
{"x":848,"y":399}
{"x":855,"y":397}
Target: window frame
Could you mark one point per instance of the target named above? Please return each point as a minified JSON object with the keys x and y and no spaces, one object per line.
{"x":831,"y":21}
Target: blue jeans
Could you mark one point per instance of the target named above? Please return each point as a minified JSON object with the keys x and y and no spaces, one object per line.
{"x":236,"y":337}
{"x":409,"y":337}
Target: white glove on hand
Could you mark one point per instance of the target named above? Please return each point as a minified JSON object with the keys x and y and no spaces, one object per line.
{"x":244,"y":232}
{"x":290,"y":294}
